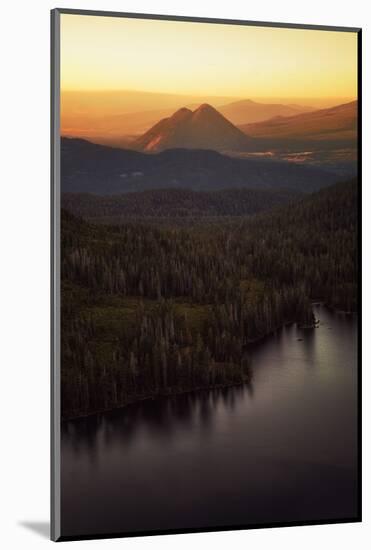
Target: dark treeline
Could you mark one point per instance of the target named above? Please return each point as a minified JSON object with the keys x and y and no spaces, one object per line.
{"x":160,"y":354}
{"x":148,"y":310}
{"x":174,"y":204}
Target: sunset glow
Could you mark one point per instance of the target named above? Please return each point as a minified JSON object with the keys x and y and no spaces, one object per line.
{"x":113,"y":66}
{"x":104,"y":53}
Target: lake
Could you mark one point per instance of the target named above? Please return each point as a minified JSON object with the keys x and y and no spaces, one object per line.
{"x":282,"y":449}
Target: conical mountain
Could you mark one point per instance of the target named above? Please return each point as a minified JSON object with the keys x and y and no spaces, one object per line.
{"x":204,"y":128}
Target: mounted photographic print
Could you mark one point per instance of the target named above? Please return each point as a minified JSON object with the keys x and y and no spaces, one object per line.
{"x":205,"y":274}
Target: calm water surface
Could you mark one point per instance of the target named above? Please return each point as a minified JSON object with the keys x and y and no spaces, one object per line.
{"x":283,"y":448}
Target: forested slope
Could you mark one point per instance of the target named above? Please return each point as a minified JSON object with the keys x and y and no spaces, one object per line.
{"x":178,"y":206}
{"x":149,"y":310}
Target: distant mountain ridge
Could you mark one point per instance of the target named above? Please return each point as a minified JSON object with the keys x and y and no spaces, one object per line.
{"x":336,"y":124}
{"x":90,"y":168}
{"x":247,"y":111}
{"x":112,"y":116}
{"x":203,"y":128}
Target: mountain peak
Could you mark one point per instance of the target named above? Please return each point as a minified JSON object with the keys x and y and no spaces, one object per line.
{"x":205,"y":107}
{"x":204,"y":128}
{"x":181,"y":114}
{"x":207,"y":113}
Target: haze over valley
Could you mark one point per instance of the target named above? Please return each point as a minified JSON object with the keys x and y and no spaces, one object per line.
{"x":201,"y":149}
{"x":273,"y":129}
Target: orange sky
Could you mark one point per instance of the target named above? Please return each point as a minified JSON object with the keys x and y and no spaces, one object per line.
{"x":101,"y":56}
